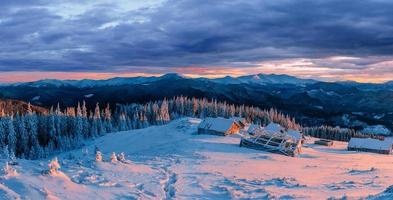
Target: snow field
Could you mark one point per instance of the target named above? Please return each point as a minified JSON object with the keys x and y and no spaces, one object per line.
{"x":173,"y":162}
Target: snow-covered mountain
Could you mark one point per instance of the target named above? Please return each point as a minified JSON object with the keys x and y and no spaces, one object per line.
{"x":276,"y":79}
{"x":262,"y":79}
{"x":88,"y":83}
{"x":173,"y":162}
{"x":310,"y":100}
{"x":265,"y":79}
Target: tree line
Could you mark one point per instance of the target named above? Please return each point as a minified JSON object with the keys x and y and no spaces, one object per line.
{"x":34,"y":136}
{"x":336,"y":133}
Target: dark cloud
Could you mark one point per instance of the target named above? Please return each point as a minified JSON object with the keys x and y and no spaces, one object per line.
{"x":40,"y":36}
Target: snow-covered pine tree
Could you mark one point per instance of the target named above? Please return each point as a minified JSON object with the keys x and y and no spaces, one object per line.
{"x":108,"y":119}
{"x":98,"y":156}
{"x":113,"y":157}
{"x":121,"y":157}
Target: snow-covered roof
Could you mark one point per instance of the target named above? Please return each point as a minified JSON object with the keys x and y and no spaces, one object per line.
{"x":274,"y":128}
{"x":369,"y":143}
{"x":294,"y":134}
{"x":253,"y":128}
{"x":239,"y":119}
{"x":216,"y":124}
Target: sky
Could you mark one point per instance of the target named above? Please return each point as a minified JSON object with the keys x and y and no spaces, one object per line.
{"x":321,"y":39}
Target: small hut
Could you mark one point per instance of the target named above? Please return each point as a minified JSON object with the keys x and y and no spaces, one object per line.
{"x":219,"y":126}
{"x":324,"y":142}
{"x":370,"y":145}
{"x":241,"y":121}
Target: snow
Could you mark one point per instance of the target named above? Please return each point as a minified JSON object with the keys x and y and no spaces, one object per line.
{"x":88,"y":95}
{"x":216,"y":124}
{"x":376,"y":129}
{"x":174,"y":162}
{"x":239,"y":119}
{"x":369,"y":143}
{"x":253,"y":128}
{"x":264,"y":79}
{"x":36,"y":98}
{"x":295,"y":134}
{"x":89,"y":83}
{"x":273,"y":128}
{"x":379,"y":116}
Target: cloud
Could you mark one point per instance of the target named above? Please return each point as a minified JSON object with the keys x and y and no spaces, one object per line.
{"x":102,"y":36}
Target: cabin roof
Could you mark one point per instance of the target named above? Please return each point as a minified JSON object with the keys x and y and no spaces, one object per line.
{"x":369,"y":143}
{"x":274,"y":128}
{"x":217,"y":124}
{"x":295,"y":134}
{"x":240,"y":119}
{"x":252,"y":128}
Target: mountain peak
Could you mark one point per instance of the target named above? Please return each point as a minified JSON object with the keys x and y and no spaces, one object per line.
{"x":256,"y":77}
{"x":172,"y":75}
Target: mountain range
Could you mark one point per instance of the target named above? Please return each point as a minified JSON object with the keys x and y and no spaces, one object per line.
{"x":312,"y":102}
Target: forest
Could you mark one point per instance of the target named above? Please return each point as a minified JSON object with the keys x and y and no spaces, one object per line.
{"x":37,"y":135}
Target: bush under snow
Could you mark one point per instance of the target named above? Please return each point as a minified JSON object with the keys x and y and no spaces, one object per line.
{"x":8,"y":170}
{"x":54,"y":166}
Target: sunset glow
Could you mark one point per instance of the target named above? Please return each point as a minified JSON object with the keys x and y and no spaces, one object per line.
{"x":104,"y":39}
{"x":327,"y":69}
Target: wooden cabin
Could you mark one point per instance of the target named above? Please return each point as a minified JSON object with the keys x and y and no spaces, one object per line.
{"x":241,"y":121}
{"x":219,"y":126}
{"x":370,"y":145}
{"x":273,"y":138}
{"x":324,"y":142}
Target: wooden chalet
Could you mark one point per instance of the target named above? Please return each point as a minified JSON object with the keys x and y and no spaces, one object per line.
{"x":241,"y":121}
{"x":370,"y":145}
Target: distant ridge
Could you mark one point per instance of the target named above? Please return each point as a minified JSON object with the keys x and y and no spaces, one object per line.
{"x":262,"y":79}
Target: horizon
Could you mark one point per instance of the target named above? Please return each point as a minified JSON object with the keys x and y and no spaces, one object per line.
{"x":107,"y":76}
{"x":328,"y":41}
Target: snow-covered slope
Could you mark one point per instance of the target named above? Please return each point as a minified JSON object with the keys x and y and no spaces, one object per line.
{"x":275,"y":79}
{"x":172,"y":161}
{"x":264,"y":79}
{"x":88,"y":83}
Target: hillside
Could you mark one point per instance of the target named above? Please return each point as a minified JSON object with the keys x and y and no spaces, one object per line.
{"x":311,"y":102}
{"x":172,"y":162}
{"x":9,"y":106}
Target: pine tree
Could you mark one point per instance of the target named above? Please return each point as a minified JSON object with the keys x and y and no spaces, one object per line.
{"x":113,"y":157}
{"x":98,"y":156}
{"x":121,"y":157}
{"x":108,"y":119}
